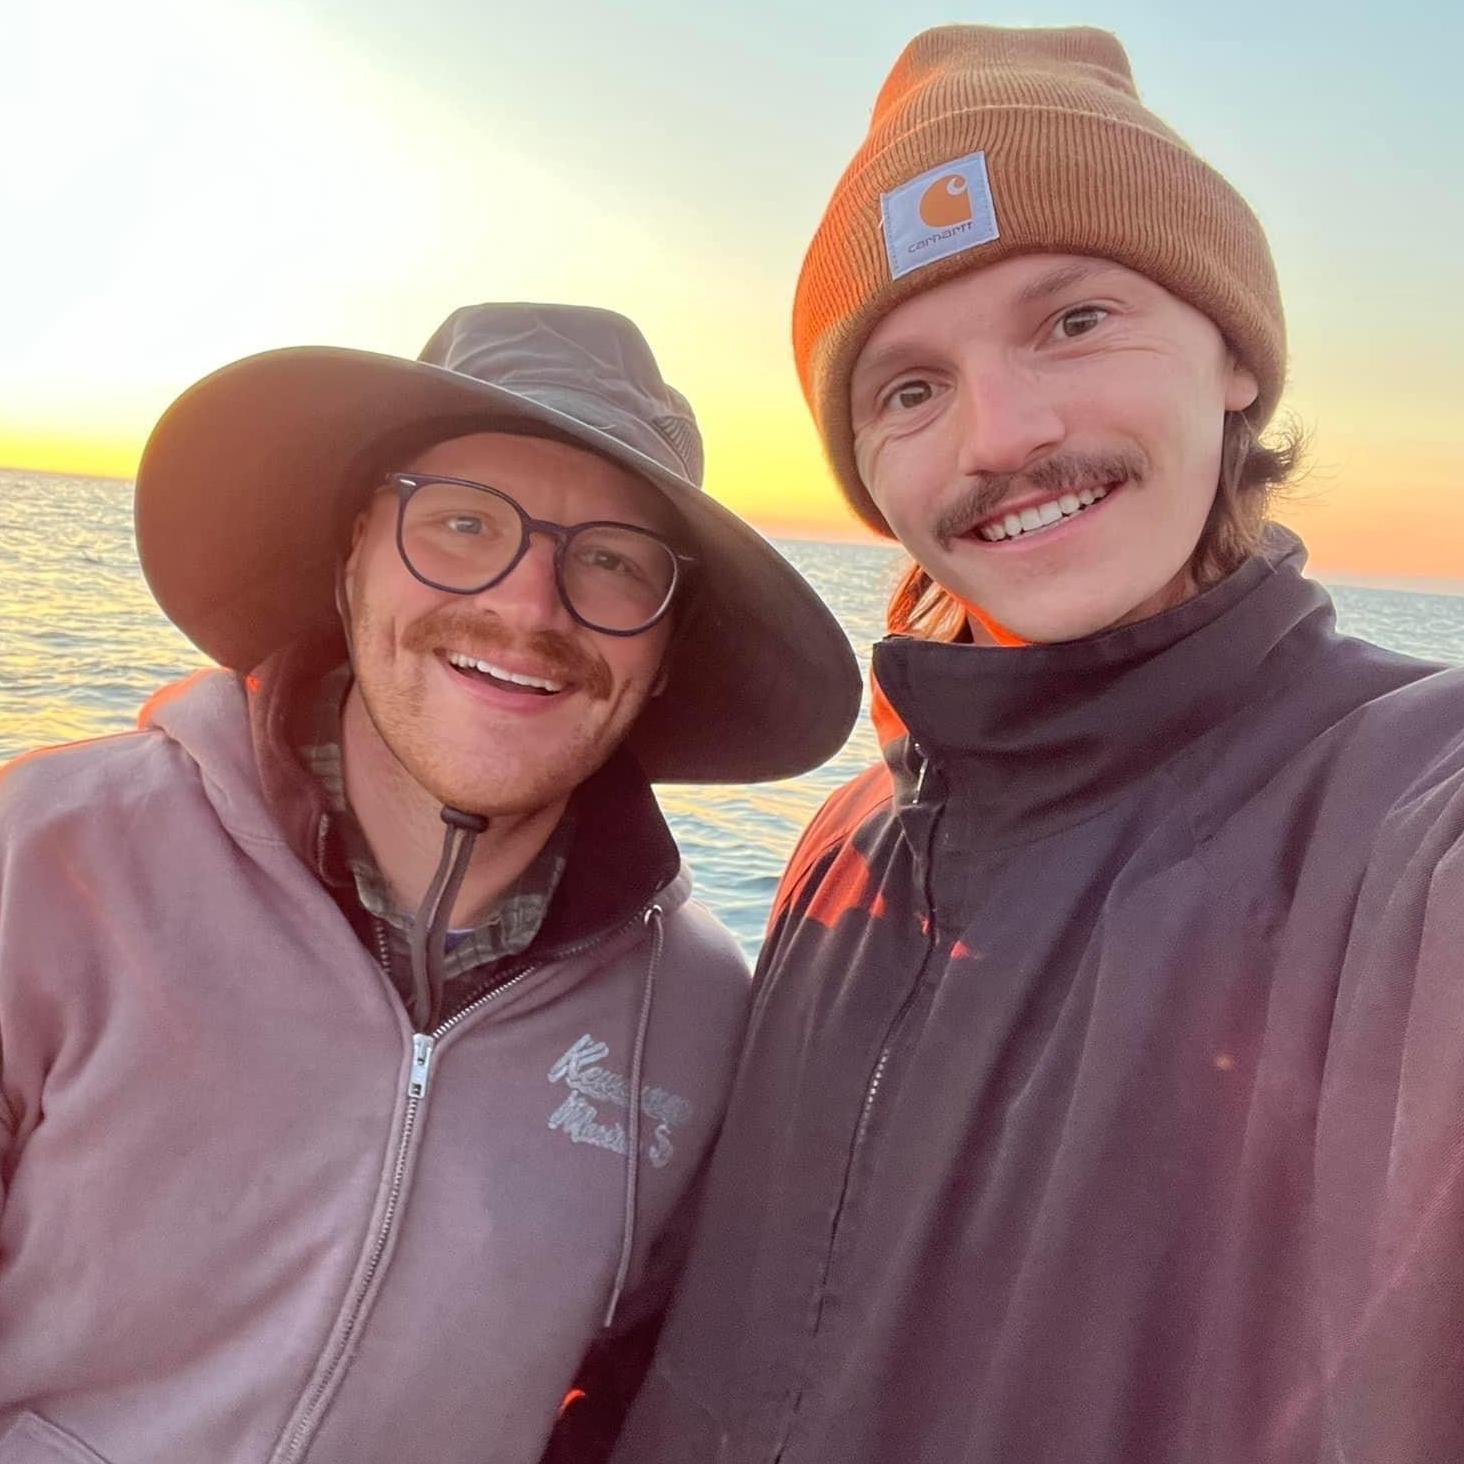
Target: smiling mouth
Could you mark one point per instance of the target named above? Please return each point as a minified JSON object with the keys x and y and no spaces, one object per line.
{"x":475,"y":669}
{"x":1035,"y":518}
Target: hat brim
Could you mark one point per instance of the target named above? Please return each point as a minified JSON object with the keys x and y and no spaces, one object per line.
{"x":238,"y":515}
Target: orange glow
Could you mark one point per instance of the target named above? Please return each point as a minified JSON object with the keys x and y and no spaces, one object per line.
{"x":1373,"y":510}
{"x":231,"y":178}
{"x":1366,"y":509}
{"x":82,"y":457}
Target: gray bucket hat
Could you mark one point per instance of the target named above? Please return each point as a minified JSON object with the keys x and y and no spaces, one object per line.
{"x":251,"y":477}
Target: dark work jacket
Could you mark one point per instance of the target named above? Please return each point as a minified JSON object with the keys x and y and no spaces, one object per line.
{"x":1103,"y":1100}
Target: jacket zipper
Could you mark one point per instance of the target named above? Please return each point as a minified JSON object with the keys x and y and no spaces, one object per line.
{"x":877,"y":1076}
{"x":424,"y":1045}
{"x":861,"y":1130}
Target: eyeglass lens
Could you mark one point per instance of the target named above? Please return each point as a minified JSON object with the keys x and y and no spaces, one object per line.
{"x":464,"y":538}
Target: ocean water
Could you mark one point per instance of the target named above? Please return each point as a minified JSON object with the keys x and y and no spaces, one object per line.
{"x":82,"y":646}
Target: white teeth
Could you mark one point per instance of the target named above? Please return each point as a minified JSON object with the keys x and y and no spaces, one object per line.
{"x":1041,"y":515}
{"x":467,"y":663}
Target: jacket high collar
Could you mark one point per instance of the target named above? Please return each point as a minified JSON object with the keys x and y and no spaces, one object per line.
{"x":1043,"y":737}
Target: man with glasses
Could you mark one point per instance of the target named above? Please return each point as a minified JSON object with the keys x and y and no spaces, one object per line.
{"x":361,"y":1043}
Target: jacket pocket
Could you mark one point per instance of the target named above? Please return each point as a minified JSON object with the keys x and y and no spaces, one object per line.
{"x":32,"y":1440}
{"x":666,"y":1423}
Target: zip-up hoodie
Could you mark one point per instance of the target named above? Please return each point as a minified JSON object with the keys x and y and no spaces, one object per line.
{"x":1104,"y":1082}
{"x":248,"y":1213}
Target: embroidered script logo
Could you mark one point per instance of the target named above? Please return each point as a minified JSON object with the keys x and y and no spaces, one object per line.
{"x":592,"y":1087}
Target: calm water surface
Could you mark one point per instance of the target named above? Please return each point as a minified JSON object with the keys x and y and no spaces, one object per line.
{"x":82,"y":646}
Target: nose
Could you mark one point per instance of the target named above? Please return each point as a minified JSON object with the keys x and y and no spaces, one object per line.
{"x":528,"y":595}
{"x":1008,"y":421}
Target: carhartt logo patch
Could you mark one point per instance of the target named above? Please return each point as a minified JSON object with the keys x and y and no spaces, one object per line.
{"x":940,"y":213}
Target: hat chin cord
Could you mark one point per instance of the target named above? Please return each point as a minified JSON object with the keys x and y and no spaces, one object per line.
{"x":429,"y":927}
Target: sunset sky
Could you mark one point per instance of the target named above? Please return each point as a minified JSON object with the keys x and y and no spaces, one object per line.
{"x":186,"y":183}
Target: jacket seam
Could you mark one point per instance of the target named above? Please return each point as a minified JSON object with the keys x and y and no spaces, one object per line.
{"x":253,"y":840}
{"x":813,"y":866}
{"x":884,"y":810}
{"x":1181,"y":798}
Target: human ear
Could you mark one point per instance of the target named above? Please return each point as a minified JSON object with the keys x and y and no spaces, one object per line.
{"x":358,"y":529}
{"x":1241,"y":387}
{"x":345,"y":575}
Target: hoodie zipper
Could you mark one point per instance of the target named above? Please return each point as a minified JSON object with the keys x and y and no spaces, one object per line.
{"x":424,"y":1045}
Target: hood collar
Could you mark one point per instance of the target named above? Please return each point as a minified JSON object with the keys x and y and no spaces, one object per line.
{"x":237,"y":729}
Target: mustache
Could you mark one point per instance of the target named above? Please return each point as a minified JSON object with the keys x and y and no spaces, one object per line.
{"x":986,"y":492}
{"x":483,"y":635}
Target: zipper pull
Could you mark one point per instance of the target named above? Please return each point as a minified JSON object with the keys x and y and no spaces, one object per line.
{"x":422,"y":1046}
{"x":923,"y":760}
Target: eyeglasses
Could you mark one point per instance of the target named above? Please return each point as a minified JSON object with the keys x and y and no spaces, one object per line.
{"x":465,"y":537}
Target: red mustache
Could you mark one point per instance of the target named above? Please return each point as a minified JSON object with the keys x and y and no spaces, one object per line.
{"x":986,"y":492}
{"x":557,"y":656}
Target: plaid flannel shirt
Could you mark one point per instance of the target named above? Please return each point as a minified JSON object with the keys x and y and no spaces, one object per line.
{"x":506,"y":930}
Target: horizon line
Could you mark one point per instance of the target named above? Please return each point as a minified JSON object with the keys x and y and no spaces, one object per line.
{"x":852,"y":532}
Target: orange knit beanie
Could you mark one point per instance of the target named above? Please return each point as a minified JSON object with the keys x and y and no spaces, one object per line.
{"x":988,"y":143}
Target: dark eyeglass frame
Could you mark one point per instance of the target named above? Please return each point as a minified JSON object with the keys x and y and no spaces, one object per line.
{"x":407,"y":484}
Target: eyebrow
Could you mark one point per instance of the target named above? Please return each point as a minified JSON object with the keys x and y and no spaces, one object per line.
{"x":868,"y":370}
{"x":1051,"y":282}
{"x":1058,"y":279}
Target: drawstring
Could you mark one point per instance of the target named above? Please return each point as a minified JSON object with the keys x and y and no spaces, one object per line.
{"x":429,"y":929}
{"x":653,"y":918}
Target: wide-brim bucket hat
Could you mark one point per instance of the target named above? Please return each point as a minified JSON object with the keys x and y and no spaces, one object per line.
{"x":251,"y":478}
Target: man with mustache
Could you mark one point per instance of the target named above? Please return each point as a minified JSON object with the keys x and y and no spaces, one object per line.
{"x":361,"y":1042}
{"x":1103,"y":1085}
